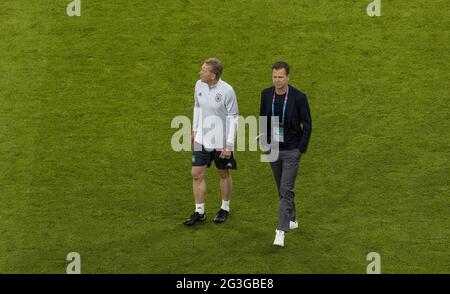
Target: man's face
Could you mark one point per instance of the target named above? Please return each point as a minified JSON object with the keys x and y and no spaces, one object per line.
{"x":206,"y":75}
{"x":279,"y":78}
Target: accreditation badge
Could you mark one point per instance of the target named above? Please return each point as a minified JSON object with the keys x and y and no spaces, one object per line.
{"x":278,"y":134}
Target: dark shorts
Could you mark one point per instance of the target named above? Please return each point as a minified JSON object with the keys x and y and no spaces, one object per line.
{"x":205,"y":157}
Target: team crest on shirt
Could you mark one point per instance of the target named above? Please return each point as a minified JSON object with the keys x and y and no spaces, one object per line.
{"x":218,"y":97}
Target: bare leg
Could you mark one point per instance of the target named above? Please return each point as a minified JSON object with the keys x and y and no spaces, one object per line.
{"x":226,"y":184}
{"x":199,"y":183}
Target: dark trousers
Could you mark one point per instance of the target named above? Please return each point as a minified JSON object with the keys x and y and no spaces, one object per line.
{"x":284,"y":170}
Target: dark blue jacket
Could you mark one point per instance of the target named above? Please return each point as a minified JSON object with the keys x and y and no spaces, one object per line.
{"x":298,"y":125}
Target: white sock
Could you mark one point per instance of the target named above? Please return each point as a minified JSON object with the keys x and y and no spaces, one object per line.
{"x":226,"y":205}
{"x":200,"y":208}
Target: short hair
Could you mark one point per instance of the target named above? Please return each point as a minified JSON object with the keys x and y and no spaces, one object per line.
{"x":281,"y":64}
{"x":216,"y":66}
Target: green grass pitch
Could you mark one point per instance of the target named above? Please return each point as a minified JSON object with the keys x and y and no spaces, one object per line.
{"x":86,"y":163}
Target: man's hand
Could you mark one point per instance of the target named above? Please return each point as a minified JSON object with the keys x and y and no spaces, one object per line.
{"x":192,"y":138}
{"x":225,"y":154}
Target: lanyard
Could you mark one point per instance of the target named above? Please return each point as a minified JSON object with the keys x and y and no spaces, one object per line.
{"x":284,"y":105}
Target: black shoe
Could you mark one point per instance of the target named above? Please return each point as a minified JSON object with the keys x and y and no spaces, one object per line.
{"x":221,"y":216}
{"x":194,"y":218}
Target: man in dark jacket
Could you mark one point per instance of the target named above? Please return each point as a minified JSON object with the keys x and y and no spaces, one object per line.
{"x":292,"y":135}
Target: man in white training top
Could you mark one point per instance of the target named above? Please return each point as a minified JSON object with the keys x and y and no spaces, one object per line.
{"x":213,"y":137}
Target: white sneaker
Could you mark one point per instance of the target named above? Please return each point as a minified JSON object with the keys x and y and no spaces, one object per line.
{"x":293,"y":225}
{"x":279,"y":238}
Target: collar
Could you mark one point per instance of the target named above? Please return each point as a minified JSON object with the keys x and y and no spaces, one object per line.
{"x":215,"y":85}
